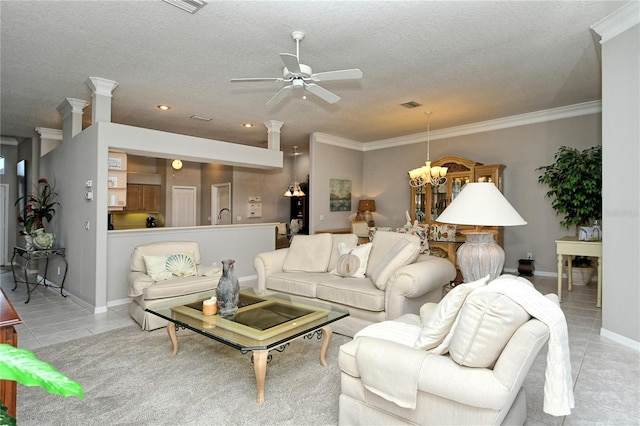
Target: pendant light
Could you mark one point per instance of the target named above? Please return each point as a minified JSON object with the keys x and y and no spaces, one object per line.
{"x":294,"y":189}
{"x":422,"y":176}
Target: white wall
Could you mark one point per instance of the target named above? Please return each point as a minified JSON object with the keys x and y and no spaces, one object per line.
{"x":621,"y":179}
{"x":521,"y":149}
{"x":333,"y":158}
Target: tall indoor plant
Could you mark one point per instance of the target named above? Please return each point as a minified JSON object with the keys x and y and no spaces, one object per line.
{"x":575,"y":184}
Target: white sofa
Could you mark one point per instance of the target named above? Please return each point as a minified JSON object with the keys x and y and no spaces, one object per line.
{"x":166,"y":289}
{"x":396,"y":280}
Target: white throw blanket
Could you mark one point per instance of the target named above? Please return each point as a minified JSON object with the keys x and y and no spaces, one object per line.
{"x":558,"y":385}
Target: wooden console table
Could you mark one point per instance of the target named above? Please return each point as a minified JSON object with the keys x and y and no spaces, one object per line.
{"x":8,"y":334}
{"x":571,"y":246}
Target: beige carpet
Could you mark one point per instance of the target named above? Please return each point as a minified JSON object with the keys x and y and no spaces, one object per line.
{"x":129,"y":377}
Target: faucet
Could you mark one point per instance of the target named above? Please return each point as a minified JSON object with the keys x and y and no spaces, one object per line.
{"x":222,"y":210}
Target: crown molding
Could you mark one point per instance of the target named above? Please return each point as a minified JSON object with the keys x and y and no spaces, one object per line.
{"x":338,"y":141}
{"x":5,"y":140}
{"x":618,"y":22}
{"x":46,"y":133}
{"x":559,"y":113}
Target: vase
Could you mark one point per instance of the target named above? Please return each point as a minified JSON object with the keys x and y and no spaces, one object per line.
{"x":228,"y":290}
{"x":28,"y":242}
{"x":43,"y":240}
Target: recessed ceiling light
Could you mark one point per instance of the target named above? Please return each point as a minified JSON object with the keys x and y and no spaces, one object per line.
{"x":163,"y":107}
{"x":247,"y":125}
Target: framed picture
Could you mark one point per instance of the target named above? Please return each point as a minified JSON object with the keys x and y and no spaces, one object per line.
{"x":339,"y":195}
{"x":113,"y":182}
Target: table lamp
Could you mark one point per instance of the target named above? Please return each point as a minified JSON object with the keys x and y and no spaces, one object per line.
{"x":367,"y":206}
{"x":480,"y":204}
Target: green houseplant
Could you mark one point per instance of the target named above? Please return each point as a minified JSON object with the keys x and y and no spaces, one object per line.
{"x":40,"y":205}
{"x":23,"y":367}
{"x":575,"y":185}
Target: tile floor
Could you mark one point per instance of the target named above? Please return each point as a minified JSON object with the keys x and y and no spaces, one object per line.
{"x":606,"y":374}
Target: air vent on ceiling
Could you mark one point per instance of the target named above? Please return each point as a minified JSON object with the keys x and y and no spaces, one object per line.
{"x":191,"y":6}
{"x":411,"y":104}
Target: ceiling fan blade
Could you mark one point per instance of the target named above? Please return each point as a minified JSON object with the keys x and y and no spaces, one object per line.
{"x":291,"y":62}
{"x":337,"y":75}
{"x":322,"y":93}
{"x":280,"y":95}
{"x":241,"y":80}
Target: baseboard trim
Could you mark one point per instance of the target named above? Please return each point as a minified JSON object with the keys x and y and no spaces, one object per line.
{"x":625,"y":341}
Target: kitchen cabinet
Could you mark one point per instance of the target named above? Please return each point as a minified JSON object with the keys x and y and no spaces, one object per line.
{"x":143,"y":198}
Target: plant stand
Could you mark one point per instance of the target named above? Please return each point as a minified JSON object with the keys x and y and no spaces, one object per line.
{"x":525,"y":267}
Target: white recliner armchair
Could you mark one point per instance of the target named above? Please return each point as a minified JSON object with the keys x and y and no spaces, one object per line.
{"x":471,"y":374}
{"x":165,"y":274}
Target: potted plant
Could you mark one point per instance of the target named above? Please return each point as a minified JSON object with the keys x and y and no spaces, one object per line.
{"x":575,"y":185}
{"x":39,"y":206}
{"x":581,"y":270}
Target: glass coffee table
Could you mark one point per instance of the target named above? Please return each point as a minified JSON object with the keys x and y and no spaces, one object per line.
{"x":265,"y":321}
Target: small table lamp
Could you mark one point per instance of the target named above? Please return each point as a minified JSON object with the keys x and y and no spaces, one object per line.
{"x":367,"y":206}
{"x":480,"y":204}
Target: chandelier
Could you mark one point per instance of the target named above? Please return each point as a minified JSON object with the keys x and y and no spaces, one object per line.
{"x":294,"y":189}
{"x":422,"y":176}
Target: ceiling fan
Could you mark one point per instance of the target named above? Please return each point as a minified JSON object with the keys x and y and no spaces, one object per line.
{"x":300,"y":76}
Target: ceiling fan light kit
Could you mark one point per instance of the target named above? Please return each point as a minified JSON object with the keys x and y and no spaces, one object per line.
{"x":301,"y":76}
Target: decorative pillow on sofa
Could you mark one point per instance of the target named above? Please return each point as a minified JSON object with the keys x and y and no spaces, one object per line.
{"x":352,"y":261}
{"x":438,"y":324}
{"x":165,"y":267}
{"x":486,"y":323}
{"x":402,"y":253}
{"x":442,"y":232}
{"x":308,"y":253}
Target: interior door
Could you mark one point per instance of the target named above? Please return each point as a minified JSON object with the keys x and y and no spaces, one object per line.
{"x":183,"y":206}
{"x":221,"y":200}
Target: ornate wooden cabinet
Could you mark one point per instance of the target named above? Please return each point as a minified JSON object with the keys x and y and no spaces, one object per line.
{"x":428,"y":202}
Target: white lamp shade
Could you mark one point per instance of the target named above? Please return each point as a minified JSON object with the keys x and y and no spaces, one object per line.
{"x":481,"y":204}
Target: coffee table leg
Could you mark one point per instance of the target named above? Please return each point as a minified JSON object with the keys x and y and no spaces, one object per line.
{"x":260,"y":370}
{"x":171,"y":330}
{"x":326,"y":339}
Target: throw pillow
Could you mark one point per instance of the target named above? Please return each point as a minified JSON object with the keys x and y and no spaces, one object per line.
{"x":181,"y":265}
{"x":402,"y":253}
{"x":438,"y":324}
{"x":352,"y":261}
{"x":167,"y":266}
{"x":308,"y":253}
{"x":156,"y":268}
{"x":486,"y":323}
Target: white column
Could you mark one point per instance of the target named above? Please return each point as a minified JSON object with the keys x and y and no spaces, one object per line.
{"x":101,"y":98}
{"x":49,"y":139}
{"x":71,"y":111}
{"x":273,"y":134}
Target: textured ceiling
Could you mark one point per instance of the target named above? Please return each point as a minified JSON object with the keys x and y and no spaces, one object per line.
{"x":465,"y":61}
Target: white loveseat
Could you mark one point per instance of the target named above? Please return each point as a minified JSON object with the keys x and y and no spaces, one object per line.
{"x":153,"y":289}
{"x":394,"y":280}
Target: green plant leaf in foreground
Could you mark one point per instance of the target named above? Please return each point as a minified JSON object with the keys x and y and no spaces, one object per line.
{"x":25,"y":368}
